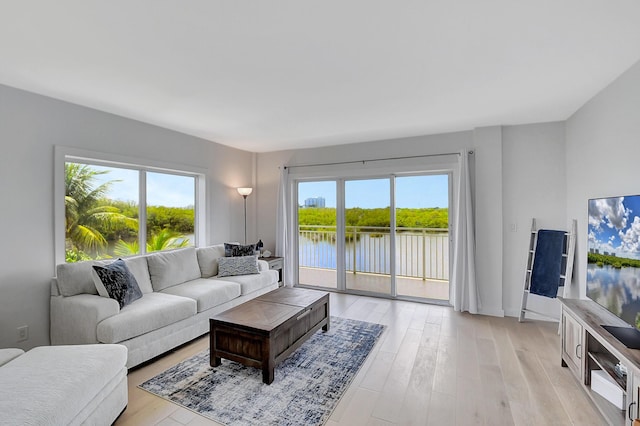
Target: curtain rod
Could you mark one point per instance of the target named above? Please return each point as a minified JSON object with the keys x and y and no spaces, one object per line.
{"x":374,"y":159}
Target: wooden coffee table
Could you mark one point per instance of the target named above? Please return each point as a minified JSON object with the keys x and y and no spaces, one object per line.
{"x":263,"y":331}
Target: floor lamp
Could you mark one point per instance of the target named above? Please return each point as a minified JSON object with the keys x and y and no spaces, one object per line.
{"x":245,"y":192}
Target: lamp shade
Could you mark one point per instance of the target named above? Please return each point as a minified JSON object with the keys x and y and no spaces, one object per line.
{"x":245,"y":191}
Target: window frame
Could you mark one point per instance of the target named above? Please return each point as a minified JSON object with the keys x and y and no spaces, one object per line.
{"x":63,"y":155}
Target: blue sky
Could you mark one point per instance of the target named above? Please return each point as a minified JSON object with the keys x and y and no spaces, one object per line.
{"x":162,"y":189}
{"x":614,"y":226}
{"x":411,"y":192}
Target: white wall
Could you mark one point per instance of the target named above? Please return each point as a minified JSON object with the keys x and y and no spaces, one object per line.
{"x":603,"y":153}
{"x":30,"y":126}
{"x":488,"y":218}
{"x":533,"y":169}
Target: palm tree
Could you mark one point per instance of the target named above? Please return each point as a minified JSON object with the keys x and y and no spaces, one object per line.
{"x":84,"y":212}
{"x":164,"y":240}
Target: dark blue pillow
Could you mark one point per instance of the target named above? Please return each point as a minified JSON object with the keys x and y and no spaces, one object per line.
{"x":233,"y":250}
{"x":119,"y":282}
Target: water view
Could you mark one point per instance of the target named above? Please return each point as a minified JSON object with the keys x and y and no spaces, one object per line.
{"x":420,"y":216}
{"x":617,"y":289}
{"x":423,"y":253}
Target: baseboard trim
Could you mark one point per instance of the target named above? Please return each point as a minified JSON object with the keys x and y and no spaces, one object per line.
{"x":493,"y":312}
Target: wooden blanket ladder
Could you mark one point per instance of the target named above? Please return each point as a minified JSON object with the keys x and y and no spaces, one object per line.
{"x":566,"y":270}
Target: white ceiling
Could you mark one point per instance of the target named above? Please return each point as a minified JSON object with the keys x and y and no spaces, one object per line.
{"x":271,"y":75}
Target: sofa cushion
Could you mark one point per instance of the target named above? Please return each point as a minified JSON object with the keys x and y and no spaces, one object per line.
{"x":8,"y":354}
{"x":241,"y":265}
{"x":151,"y":312}
{"x":251,"y":283}
{"x":232,"y":249}
{"x":51,"y":385}
{"x":173,"y":267}
{"x":75,"y":278}
{"x":117,"y":282}
{"x":208,"y":259}
{"x":206,"y":292}
{"x":139,"y":268}
{"x":263,"y":265}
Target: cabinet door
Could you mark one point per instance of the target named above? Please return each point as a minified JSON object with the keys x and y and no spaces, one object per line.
{"x":572,"y":345}
{"x":633,"y":395}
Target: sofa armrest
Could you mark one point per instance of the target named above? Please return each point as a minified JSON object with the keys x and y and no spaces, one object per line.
{"x":7,"y":355}
{"x":263,"y":265}
{"x":74,"y":319}
{"x":55,"y":291}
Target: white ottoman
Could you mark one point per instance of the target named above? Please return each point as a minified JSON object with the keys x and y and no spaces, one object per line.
{"x":64,"y":385}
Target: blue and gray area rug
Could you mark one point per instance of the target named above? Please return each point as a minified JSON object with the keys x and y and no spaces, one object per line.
{"x":306,"y":389}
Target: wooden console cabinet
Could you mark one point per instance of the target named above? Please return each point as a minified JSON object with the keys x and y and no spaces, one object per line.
{"x":586,"y":346}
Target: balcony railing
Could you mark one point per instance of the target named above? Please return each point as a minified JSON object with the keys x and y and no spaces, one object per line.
{"x":420,"y":252}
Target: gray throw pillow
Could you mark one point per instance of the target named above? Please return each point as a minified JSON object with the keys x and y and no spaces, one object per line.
{"x":232,"y":250}
{"x":117,"y":282}
{"x":239,"y":265}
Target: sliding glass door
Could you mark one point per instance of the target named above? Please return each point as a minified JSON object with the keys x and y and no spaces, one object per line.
{"x":367,"y":235}
{"x":380,"y":235}
{"x":422,"y":236}
{"x":317,"y":251}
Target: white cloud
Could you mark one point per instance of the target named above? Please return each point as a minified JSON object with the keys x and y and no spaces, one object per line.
{"x":608,"y":211}
{"x":601,"y":246}
{"x":631,"y":238}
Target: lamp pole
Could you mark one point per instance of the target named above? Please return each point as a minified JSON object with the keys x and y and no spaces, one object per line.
{"x":245,"y":193}
{"x":245,"y":218}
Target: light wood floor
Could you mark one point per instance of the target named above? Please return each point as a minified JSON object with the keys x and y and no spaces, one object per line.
{"x":432,"y":366}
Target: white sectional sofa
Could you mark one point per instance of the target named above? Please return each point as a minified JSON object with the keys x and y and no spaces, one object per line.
{"x":63,"y":385}
{"x":180,"y":292}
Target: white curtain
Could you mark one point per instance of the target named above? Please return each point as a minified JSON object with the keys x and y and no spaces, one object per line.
{"x":283,"y":246}
{"x":463,"y":290}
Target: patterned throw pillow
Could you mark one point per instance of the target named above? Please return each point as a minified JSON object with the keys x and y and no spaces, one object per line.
{"x":117,"y":282}
{"x":239,"y":265}
{"x":232,"y":250}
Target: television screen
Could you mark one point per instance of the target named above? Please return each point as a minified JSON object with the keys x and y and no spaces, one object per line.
{"x":613,"y":259}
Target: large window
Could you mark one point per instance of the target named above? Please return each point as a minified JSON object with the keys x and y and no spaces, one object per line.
{"x":114,"y":210}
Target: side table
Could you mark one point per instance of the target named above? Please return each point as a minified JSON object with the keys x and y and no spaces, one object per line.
{"x":277,"y":264}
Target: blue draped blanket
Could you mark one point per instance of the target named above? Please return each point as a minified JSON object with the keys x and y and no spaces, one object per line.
{"x":547,"y":263}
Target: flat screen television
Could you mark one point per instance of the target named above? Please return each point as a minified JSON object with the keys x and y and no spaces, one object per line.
{"x":613,"y":262}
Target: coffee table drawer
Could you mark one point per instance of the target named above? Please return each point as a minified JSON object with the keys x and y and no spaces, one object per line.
{"x":307,"y":320}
